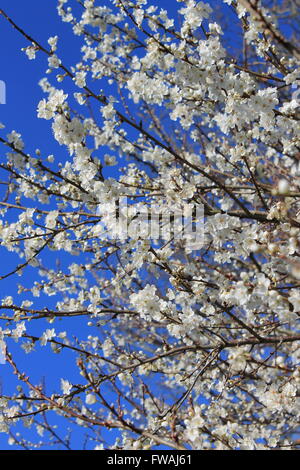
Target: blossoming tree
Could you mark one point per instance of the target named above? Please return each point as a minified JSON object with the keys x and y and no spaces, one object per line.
{"x":179,"y":348}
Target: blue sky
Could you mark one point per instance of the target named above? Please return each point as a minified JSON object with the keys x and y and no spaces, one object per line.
{"x":21,"y":75}
{"x":40,"y":20}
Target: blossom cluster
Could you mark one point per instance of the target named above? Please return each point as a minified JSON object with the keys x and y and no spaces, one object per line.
{"x":184,"y":349}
